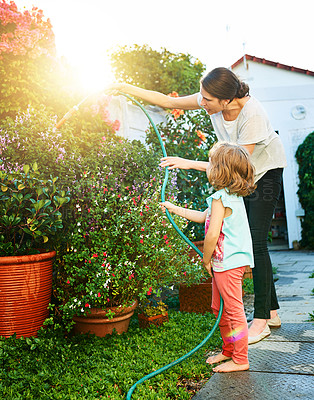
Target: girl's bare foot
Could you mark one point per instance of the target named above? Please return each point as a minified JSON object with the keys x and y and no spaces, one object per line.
{"x":231,"y":366}
{"x":217,"y":358}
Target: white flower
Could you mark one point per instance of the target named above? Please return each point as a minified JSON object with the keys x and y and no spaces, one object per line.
{"x":82,"y":310}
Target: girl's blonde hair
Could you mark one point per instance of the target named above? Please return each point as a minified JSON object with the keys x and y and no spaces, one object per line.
{"x":231,"y":168}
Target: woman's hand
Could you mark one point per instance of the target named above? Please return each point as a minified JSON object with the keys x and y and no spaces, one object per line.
{"x":175,"y":162}
{"x":167,"y":205}
{"x":114,"y":89}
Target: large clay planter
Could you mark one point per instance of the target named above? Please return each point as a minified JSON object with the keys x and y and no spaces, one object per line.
{"x":98,"y":323}
{"x":25,"y":293}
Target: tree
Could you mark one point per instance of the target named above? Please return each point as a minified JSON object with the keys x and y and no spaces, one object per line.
{"x":157,"y":70}
{"x":30,"y":73}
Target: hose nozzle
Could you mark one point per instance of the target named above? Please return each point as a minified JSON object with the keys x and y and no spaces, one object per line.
{"x":67,"y":116}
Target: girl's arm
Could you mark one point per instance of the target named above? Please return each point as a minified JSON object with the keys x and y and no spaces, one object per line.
{"x":212,"y":235}
{"x":183,"y":163}
{"x":157,"y":98}
{"x":191,"y":215}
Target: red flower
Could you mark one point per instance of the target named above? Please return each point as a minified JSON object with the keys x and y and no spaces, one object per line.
{"x":87,"y":305}
{"x":105,"y":190}
{"x":98,"y":295}
{"x":149,"y":291}
{"x":94,"y":255}
{"x":141,"y":241}
{"x":68,"y":281}
{"x":184,"y":273}
{"x":142,"y":229}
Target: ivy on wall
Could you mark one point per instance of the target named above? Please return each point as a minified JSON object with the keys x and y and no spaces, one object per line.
{"x":305,"y":159}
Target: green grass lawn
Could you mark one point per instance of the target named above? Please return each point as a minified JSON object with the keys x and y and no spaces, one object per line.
{"x":87,"y":367}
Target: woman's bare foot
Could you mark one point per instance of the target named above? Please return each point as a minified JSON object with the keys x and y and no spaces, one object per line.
{"x":257,"y":326}
{"x":273,"y":314}
{"x":231,"y":366}
{"x":217,"y":358}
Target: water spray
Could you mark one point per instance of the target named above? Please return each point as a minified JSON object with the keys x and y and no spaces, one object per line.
{"x":186,"y":239}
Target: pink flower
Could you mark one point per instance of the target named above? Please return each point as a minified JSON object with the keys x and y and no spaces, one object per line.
{"x":184,"y":273}
{"x":165,"y":237}
{"x":131,"y":276}
{"x":98,"y":295}
{"x":113,"y":275}
{"x":141,"y":214}
{"x":105,"y":190}
{"x":68,"y":281}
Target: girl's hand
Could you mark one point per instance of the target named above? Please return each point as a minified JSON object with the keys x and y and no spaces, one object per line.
{"x":167,"y":205}
{"x":209,"y":268}
{"x":175,"y":162}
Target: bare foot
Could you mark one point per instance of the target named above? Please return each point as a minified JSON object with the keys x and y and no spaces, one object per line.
{"x":257,"y":327}
{"x":217,"y":359}
{"x":231,"y":366}
{"x":273,"y":314}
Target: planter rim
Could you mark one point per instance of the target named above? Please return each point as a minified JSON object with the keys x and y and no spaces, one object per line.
{"x":101,"y":313}
{"x":27,"y":258}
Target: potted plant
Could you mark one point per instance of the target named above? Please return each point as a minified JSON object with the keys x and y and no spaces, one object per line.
{"x":120,"y":249}
{"x":30,"y":219}
{"x":152,"y":312}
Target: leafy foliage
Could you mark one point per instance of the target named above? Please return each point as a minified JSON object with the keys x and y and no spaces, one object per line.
{"x":305,"y":158}
{"x":157,"y":70}
{"x":29,"y":211}
{"x":188,"y":135}
{"x":30,"y":72}
{"x":55,"y":367}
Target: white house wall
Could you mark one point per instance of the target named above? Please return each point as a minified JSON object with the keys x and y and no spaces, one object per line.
{"x":259,"y":75}
{"x":134,"y":123}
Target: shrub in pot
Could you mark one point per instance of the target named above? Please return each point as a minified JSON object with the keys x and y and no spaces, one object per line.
{"x":30,"y":220}
{"x":120,"y":248}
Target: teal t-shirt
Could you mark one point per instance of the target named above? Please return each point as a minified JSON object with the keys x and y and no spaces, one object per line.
{"x":234,"y":247}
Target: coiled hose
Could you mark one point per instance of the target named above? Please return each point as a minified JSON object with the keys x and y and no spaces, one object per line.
{"x":179,"y":360}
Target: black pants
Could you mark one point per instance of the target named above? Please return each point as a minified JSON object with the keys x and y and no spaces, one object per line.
{"x":260,"y":207}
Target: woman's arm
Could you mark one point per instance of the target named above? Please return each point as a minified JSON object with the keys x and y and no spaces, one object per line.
{"x":191,"y":215}
{"x":157,"y":98}
{"x":212,"y":235}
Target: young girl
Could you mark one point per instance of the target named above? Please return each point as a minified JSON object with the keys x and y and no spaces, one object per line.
{"x":227,"y":247}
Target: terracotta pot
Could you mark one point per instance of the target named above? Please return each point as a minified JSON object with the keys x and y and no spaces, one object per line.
{"x":25,"y":293}
{"x":98,"y":323}
{"x":196,"y":298}
{"x":156,"y":320}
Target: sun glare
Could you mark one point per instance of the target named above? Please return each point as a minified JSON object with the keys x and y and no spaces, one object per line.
{"x":94,"y":73}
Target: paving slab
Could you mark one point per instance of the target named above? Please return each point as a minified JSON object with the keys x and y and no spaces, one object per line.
{"x":282,"y":365}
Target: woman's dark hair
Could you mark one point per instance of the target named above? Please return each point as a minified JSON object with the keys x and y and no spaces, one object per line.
{"x":224,"y":84}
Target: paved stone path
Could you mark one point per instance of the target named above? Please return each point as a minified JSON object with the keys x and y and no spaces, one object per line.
{"x":282,"y":365}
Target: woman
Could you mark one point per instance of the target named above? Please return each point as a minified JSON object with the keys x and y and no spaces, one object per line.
{"x":239,"y":118}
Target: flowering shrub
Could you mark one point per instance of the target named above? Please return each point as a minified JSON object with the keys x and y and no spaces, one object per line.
{"x":189,"y":135}
{"x":120,"y":247}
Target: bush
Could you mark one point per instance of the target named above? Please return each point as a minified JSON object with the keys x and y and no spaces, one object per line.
{"x":188,"y":135}
{"x":305,"y":158}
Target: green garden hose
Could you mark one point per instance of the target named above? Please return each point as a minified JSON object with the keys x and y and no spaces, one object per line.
{"x":179,"y":360}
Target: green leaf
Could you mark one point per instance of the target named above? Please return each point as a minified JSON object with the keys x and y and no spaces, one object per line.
{"x":26,"y":169}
